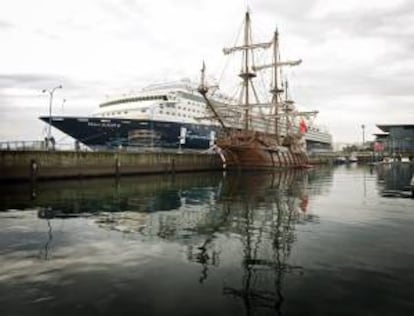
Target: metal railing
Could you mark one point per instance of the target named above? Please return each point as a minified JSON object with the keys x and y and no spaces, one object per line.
{"x":23,"y":145}
{"x":38,"y":145}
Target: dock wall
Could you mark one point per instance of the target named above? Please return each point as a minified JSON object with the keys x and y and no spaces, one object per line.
{"x":32,"y":165}
{"x":321,"y":159}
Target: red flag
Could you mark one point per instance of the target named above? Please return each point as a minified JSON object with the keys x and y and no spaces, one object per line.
{"x":303,"y":128}
{"x":378,"y":146}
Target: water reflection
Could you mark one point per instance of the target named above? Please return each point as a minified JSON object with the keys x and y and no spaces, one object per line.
{"x":265,"y":225}
{"x":394,"y":179}
{"x":233,"y":231}
{"x":252,"y":216}
{"x":209,"y":243}
{"x":48,"y":241}
{"x":260,"y":212}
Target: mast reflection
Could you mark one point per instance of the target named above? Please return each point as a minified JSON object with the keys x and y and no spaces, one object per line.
{"x":261,"y":210}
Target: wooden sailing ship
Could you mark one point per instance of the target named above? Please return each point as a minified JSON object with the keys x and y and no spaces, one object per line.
{"x":265,"y":137}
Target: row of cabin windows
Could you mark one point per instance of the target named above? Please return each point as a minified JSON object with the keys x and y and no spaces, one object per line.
{"x":161,"y":112}
{"x":114,"y":113}
{"x":185,"y":109}
{"x":177,"y":114}
{"x":127,"y":100}
{"x":195,"y":103}
{"x":143,"y":111}
{"x":164,"y":98}
{"x":178,"y":108}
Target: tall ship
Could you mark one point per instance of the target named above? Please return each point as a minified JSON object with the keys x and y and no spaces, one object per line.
{"x":174,"y":115}
{"x":270,"y":132}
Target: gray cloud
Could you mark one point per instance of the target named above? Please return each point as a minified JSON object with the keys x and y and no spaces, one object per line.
{"x":5,"y":25}
{"x":388,"y":23}
{"x":375,"y":22}
{"x":365,"y":83}
{"x":296,"y":9}
{"x":113,"y":47}
{"x":32,"y":81}
{"x":22,"y":83}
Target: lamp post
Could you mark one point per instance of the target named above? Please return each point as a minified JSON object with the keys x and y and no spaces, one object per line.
{"x":51,"y":91}
{"x":363,"y":134}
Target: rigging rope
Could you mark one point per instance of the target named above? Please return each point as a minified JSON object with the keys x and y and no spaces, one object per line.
{"x":227,"y":58}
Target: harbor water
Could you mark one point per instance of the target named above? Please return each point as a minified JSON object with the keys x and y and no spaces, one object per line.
{"x":328,"y":241}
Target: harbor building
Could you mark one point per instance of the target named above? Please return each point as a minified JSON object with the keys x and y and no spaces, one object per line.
{"x":395,"y":139}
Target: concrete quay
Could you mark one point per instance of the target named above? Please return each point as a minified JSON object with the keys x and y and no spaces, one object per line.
{"x":41,"y":165}
{"x":23,"y":165}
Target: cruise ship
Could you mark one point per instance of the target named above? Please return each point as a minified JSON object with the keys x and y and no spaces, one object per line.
{"x":161,"y":116}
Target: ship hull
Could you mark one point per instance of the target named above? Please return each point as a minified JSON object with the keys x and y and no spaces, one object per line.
{"x":254,"y":151}
{"x":96,"y":133}
{"x":99,"y":133}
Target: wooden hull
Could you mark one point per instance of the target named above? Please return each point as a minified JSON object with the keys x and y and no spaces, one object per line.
{"x":253,"y":151}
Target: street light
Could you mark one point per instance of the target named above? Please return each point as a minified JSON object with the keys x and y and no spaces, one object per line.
{"x":49,"y":132}
{"x":363,"y":134}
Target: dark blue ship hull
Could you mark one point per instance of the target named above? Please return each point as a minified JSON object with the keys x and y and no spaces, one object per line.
{"x":115,"y":132}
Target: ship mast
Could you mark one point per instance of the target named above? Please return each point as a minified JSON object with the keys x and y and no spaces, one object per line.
{"x":203,"y":89}
{"x":248,"y":69}
{"x":246,"y":75}
{"x":276,"y":91}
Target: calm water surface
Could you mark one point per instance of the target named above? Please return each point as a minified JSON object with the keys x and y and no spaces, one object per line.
{"x":323,"y":242}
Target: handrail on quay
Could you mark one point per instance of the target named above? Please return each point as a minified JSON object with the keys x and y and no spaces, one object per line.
{"x":23,"y":145}
{"x":43,"y":145}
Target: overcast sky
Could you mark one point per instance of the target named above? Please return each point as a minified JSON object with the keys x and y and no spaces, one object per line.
{"x":358,"y":56}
